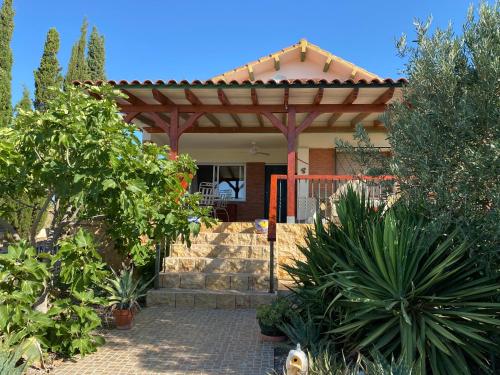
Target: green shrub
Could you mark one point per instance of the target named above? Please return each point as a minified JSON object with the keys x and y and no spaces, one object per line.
{"x":24,"y":277}
{"x":75,"y":320}
{"x":57,"y":314}
{"x":270,"y":317}
{"x":398,"y":285}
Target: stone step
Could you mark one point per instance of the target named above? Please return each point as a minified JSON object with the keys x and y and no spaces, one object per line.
{"x":220,"y":251}
{"x":216,"y":265}
{"x":216,"y":238}
{"x":230,"y":227}
{"x":215,"y":281}
{"x":208,"y":299}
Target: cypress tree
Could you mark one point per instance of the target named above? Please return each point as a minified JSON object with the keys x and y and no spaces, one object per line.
{"x":96,"y":56}
{"x":77,"y":67}
{"x":48,"y":73}
{"x":6,"y":30}
{"x":25,"y":103}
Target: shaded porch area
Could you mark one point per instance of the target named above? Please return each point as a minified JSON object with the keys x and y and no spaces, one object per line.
{"x":242,"y":133}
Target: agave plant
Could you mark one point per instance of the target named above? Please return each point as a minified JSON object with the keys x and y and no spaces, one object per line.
{"x":396,"y":284}
{"x":124,"y":292}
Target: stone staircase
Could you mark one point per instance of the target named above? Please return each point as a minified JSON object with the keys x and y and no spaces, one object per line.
{"x":226,"y":267}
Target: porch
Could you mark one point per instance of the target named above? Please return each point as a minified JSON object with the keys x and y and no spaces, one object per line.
{"x":242,"y":133}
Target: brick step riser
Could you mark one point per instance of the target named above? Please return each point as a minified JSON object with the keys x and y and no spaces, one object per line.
{"x":216,"y":282}
{"x":209,"y":265}
{"x":206,"y":301}
{"x":220,"y":251}
{"x":229,"y":239}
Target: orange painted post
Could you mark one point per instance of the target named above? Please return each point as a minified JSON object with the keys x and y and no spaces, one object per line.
{"x":292,"y":156}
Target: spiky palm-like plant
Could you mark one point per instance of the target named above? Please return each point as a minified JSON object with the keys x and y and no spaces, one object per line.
{"x":393,"y":283}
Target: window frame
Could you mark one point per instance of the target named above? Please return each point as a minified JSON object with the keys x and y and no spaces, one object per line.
{"x":215,"y":176}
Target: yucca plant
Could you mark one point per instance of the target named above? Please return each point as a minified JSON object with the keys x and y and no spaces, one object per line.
{"x":354,"y":213}
{"x":396,"y":284}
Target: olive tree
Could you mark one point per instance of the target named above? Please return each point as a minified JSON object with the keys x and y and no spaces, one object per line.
{"x":84,"y":164}
{"x":445,"y":133}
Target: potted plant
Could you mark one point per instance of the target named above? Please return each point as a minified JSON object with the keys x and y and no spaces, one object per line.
{"x":124,"y":293}
{"x":271,"y":317}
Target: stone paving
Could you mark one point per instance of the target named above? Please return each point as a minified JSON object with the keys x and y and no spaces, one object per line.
{"x":181,"y":341}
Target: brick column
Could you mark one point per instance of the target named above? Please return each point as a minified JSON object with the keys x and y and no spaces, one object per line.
{"x":253,"y":207}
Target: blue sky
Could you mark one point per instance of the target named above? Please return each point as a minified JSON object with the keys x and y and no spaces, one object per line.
{"x":197,"y":39}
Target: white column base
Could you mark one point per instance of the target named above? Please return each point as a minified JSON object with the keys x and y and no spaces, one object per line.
{"x":290,"y":219}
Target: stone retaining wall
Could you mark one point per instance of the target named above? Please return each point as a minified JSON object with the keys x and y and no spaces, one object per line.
{"x":288,"y":238}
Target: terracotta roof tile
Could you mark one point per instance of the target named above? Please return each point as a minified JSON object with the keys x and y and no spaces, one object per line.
{"x":257,"y":83}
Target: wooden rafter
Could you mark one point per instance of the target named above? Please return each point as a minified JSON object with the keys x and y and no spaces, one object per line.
{"x":134,"y":100}
{"x":130,"y":116}
{"x":319,"y":96}
{"x":163,"y":99}
{"x":250,"y":72}
{"x":255,"y":101}
{"x":328,"y":62}
{"x":349,"y":100}
{"x":249,"y":108}
{"x":382,"y":99}
{"x":286,"y":97}
{"x":276,"y":59}
{"x":307,"y":121}
{"x":225,"y":102}
{"x":195,"y":101}
{"x":303,"y":50}
{"x":258,"y":129}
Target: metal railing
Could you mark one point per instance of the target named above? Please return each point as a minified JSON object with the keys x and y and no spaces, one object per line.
{"x":317,"y":195}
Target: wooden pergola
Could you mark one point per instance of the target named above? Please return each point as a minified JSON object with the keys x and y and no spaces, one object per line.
{"x":287,"y":107}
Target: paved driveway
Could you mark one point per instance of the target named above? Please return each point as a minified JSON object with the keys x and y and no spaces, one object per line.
{"x":175,"y":341}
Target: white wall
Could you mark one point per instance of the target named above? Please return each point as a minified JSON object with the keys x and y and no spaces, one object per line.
{"x":234,"y":148}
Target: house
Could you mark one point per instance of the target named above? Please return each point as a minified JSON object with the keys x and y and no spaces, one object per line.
{"x":279,"y":115}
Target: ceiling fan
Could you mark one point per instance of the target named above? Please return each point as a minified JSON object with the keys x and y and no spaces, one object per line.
{"x":254,"y":150}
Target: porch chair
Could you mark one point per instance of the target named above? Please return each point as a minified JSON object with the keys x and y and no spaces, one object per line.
{"x":208,"y":193}
{"x":221,"y":205}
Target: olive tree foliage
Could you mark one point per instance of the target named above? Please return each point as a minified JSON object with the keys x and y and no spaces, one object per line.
{"x":83,"y":164}
{"x":445,"y":133}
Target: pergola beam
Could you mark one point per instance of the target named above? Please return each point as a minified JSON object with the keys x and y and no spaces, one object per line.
{"x":255,"y":102}
{"x":319,"y":96}
{"x":163,"y":99}
{"x":266,"y":130}
{"x":349,"y":100}
{"x":244,"y":108}
{"x":225,"y":102}
{"x":134,"y":100}
{"x":195,"y":101}
{"x":286,"y":96}
{"x":382,"y":99}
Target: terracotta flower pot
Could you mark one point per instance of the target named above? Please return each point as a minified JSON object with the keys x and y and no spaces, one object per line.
{"x":123,"y":318}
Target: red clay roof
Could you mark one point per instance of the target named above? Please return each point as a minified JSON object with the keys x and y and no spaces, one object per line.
{"x":247,"y":83}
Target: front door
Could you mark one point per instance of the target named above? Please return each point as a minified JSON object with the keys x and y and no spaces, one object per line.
{"x":270,"y":170}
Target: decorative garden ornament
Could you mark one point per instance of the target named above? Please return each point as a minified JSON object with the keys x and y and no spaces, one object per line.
{"x":296,"y":362}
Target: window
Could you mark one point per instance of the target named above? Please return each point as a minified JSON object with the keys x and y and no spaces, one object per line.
{"x":229,"y":178}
